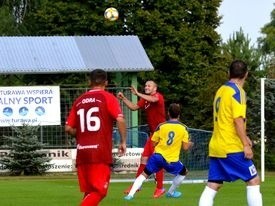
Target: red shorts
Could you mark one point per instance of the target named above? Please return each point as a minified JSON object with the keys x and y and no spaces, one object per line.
{"x":148,"y":148}
{"x":94,"y":177}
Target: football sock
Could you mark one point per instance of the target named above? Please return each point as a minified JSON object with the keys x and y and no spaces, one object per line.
{"x":137,"y":184}
{"x":140,"y":169}
{"x":176,"y":182}
{"x":254,"y":196}
{"x":207,"y":197}
{"x":159,"y":178}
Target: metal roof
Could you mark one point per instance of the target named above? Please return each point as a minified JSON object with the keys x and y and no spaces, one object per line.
{"x":59,"y":54}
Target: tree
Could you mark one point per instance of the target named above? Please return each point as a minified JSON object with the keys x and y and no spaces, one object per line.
{"x":25,"y":156}
{"x":178,"y":36}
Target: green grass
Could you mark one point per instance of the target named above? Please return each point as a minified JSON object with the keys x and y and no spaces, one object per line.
{"x":64,"y":191}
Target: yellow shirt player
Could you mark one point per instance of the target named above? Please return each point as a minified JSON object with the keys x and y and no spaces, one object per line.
{"x":230,"y":149}
{"x":229,"y":104}
{"x":169,"y":138}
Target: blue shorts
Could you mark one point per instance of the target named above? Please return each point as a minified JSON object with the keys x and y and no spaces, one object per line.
{"x":231,"y":168}
{"x":156,"y":162}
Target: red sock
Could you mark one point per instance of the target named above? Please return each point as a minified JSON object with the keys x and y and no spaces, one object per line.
{"x":91,"y":199}
{"x":140,"y":169}
{"x":160,"y":177}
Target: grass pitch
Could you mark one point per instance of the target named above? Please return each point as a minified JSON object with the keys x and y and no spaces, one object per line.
{"x":63,"y":191}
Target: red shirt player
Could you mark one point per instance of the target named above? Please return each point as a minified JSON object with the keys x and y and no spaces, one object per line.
{"x":152,"y":102}
{"x":91,"y":120}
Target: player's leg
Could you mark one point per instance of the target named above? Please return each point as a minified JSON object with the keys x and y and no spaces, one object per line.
{"x":209,"y":193}
{"x":94,"y":181}
{"x":215,"y":182}
{"x":254,"y":196}
{"x":245,"y":170}
{"x":154,"y":165}
{"x":159,"y":191}
{"x":143,"y":161}
{"x":180,"y":171}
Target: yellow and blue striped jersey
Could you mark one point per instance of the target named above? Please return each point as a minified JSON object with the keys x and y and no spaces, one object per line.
{"x":229,"y":104}
{"x":170,"y":136}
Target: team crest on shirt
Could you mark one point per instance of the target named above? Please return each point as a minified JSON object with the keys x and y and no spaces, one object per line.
{"x":147,"y":104}
{"x":252,"y":170}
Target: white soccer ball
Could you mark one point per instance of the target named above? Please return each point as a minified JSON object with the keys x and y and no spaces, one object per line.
{"x":111,"y":14}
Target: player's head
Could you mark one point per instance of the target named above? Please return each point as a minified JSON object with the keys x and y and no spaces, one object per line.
{"x":238,"y":70}
{"x":150,"y":87}
{"x":98,"y":77}
{"x":174,"y":110}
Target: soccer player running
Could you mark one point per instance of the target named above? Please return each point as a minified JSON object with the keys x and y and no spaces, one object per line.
{"x":91,"y":120}
{"x":230,"y":149}
{"x":152,"y":102}
{"x":169,"y":138}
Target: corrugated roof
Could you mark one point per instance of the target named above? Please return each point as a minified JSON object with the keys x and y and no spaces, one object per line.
{"x":58,"y":54}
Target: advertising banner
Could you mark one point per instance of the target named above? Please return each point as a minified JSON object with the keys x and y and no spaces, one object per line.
{"x":63,"y":160}
{"x":34,"y":105}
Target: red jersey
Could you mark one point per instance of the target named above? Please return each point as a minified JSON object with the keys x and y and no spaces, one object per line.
{"x":93,"y":115}
{"x":155,"y":111}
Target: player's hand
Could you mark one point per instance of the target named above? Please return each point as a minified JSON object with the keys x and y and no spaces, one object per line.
{"x":248,"y":153}
{"x":120,"y":95}
{"x":134,"y":90}
{"x":191,"y":144}
{"x":121,"y":149}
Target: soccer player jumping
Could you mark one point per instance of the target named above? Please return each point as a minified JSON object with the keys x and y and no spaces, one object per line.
{"x":152,"y":102}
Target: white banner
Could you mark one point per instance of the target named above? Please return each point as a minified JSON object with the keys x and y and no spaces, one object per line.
{"x":63,"y":160}
{"x":35,"y":105}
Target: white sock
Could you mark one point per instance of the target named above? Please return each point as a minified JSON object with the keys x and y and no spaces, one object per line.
{"x":137,"y":184}
{"x":176,"y":182}
{"x":207,"y":197}
{"x":254,"y":196}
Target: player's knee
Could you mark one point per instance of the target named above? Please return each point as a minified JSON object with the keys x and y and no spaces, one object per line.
{"x":184,"y":171}
{"x":143,"y":160}
{"x":254,"y":181}
{"x":147,"y":172}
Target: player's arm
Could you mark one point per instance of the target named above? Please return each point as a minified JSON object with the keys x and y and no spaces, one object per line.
{"x":240,"y":129}
{"x":187,"y":145}
{"x":149,"y":98}
{"x":127,"y":102}
{"x":121,"y":125}
{"x":70,"y":130}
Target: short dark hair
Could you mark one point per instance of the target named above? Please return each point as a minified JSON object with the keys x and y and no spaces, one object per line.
{"x":238,"y":69}
{"x":98,"y":77}
{"x":174,"y":110}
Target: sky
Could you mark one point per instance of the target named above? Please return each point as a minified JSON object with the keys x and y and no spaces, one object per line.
{"x":251,"y":15}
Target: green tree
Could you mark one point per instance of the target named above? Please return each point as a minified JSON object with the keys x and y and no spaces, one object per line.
{"x":178,"y":36}
{"x":25,"y":156}
{"x":267,"y":45}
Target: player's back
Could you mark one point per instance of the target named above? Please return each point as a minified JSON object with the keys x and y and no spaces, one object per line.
{"x":229,"y":103}
{"x":94,"y":123}
{"x":170,"y":136}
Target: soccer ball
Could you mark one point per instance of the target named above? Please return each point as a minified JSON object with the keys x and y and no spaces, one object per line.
{"x":111,"y":14}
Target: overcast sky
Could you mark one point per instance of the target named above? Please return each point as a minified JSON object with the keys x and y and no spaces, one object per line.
{"x":251,"y":15}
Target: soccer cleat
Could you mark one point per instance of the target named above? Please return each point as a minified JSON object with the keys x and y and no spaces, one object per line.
{"x":128,"y":197}
{"x":159,"y":192}
{"x":128,"y":190}
{"x":175,"y":194}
